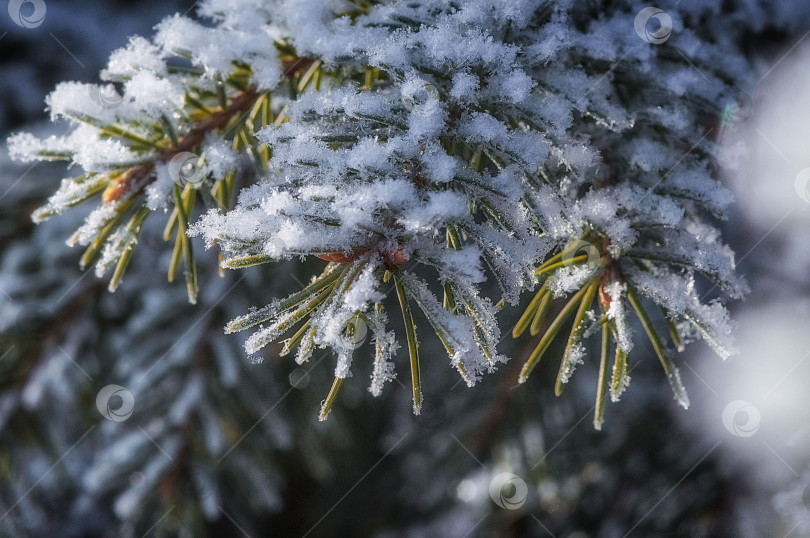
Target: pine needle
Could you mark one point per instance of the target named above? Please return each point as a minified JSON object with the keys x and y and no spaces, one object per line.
{"x":567,"y":363}
{"x":188,"y":252}
{"x":620,"y":378}
{"x":413,"y":346}
{"x":326,"y":405}
{"x":576,"y":260}
{"x":529,"y":313}
{"x":247,"y":261}
{"x":602,"y":384}
{"x":94,"y":249}
{"x":672,"y":373}
{"x":308,"y":75}
{"x":674,"y":335}
{"x":133,"y":228}
{"x":328,"y":278}
{"x":552,"y":331}
{"x":292,"y":343}
{"x":541,"y":314}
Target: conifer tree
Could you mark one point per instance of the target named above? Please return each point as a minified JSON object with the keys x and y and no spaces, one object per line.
{"x":398,"y":139}
{"x":446,"y":174}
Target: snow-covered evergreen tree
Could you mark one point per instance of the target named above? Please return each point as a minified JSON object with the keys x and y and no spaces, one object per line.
{"x":477,"y":140}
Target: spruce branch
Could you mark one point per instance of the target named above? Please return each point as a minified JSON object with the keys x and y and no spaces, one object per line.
{"x":368,"y":139}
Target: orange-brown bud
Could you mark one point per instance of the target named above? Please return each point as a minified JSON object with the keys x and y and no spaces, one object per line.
{"x":342,"y":257}
{"x":130,"y":180}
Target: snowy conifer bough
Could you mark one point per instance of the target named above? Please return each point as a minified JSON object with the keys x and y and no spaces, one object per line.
{"x":543,"y":144}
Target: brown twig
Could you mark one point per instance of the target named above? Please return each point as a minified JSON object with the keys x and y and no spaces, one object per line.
{"x":135,"y":179}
